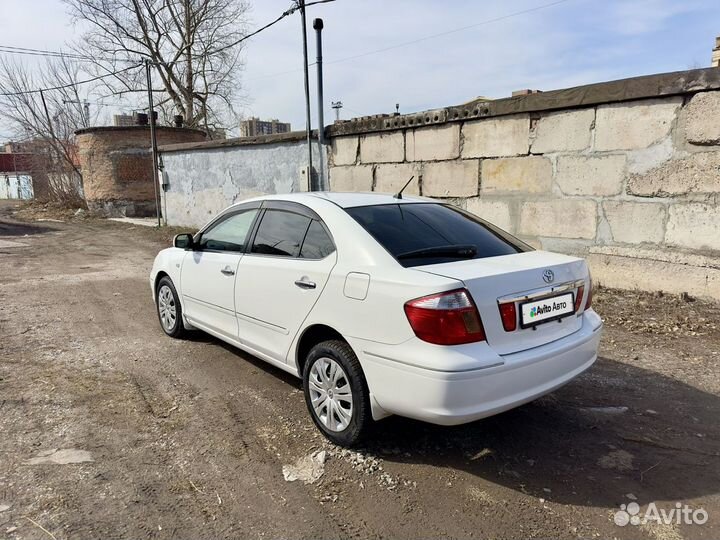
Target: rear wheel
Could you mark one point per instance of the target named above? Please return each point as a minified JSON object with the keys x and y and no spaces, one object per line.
{"x":336,"y":392}
{"x":168,"y":308}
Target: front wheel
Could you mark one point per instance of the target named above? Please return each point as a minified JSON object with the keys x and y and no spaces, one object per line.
{"x":336,"y":393}
{"x":168,"y":308}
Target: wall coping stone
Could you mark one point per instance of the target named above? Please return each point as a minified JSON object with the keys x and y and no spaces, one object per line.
{"x":104,"y":129}
{"x":635,"y":88}
{"x":292,"y":136}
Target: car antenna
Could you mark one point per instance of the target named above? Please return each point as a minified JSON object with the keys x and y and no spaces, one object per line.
{"x":399,"y":193}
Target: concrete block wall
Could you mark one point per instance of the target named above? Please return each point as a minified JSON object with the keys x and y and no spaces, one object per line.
{"x":631,"y":184}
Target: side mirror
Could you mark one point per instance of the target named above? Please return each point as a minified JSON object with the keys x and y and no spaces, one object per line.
{"x":183,"y":241}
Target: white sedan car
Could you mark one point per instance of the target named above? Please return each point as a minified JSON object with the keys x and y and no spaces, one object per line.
{"x":383,"y":305}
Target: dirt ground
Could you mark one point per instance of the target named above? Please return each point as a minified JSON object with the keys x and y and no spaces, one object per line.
{"x":109,"y":429}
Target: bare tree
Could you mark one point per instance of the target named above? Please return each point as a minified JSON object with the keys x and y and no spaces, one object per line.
{"x":193,"y":45}
{"x":46,"y":121}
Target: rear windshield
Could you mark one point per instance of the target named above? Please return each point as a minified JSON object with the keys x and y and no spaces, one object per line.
{"x":429,"y":233}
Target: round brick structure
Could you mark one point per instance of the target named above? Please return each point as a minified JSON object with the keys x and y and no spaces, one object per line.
{"x":116,"y":165}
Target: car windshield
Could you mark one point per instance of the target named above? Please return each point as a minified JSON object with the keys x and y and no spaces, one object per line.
{"x":431,"y":233}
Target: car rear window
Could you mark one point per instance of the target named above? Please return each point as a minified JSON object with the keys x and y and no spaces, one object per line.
{"x":427,"y":233}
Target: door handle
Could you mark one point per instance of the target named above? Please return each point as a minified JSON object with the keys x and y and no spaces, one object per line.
{"x":228,"y":271}
{"x":304,"y":283}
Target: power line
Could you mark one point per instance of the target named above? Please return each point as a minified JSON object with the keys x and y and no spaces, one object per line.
{"x":308,"y":4}
{"x":70,"y":85}
{"x":43,"y":52}
{"x":424,"y":38}
{"x":284,"y":14}
{"x":256,"y":32}
{"x":7,"y":49}
{"x":433,"y":36}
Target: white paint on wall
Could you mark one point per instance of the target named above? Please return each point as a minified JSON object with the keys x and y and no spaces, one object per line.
{"x":202,"y":182}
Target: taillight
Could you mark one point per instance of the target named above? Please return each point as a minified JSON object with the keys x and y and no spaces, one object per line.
{"x":578,"y":298}
{"x":508,"y":316}
{"x":448,"y":318}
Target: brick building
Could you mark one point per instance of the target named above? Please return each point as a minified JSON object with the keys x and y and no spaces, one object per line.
{"x":117,"y":169}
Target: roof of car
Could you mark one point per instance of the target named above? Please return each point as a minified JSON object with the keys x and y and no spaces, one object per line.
{"x":349,"y":200}
{"x":346,"y":200}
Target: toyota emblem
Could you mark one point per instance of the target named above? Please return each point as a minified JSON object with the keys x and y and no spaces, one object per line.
{"x":548,"y":276}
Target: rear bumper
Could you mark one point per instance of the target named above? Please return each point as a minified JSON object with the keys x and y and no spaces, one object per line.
{"x":401,"y":386}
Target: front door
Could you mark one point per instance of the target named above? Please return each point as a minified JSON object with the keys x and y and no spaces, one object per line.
{"x":281,"y":277}
{"x":208,"y":273}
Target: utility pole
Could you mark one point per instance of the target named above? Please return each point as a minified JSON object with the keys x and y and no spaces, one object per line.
{"x":337,"y":105}
{"x":311,"y":186}
{"x":153,"y":138}
{"x":47,"y":115}
{"x":53,"y":143}
{"x":318,"y":26}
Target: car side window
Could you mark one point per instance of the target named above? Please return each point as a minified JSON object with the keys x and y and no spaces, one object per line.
{"x":230,"y":234}
{"x":280,"y":233}
{"x":317,"y":244}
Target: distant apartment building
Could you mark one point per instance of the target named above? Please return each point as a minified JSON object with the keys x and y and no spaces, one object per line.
{"x":716,"y":53}
{"x":254,"y":126}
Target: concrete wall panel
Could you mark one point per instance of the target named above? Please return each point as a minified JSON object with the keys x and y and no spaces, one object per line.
{"x":382,"y":148}
{"x":433,"y":143}
{"x":564,"y":218}
{"x":566,"y":131}
{"x":496,"y":137}
{"x":701,"y":118}
{"x":634,"y":125}
{"x":458,"y":178}
{"x":600,"y":176}
{"x":523,"y":174}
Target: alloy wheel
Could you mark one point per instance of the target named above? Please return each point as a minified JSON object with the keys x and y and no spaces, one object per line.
{"x":330,"y":394}
{"x":167,"y":308}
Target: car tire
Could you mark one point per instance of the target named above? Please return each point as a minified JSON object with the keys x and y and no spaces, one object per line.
{"x":346,"y":419}
{"x":169,"y":310}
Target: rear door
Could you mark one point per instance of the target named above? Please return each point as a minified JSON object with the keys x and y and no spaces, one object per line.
{"x":281,"y":276}
{"x":207,"y":279}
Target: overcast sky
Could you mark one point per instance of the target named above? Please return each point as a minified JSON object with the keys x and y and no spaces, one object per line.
{"x":573,"y":42}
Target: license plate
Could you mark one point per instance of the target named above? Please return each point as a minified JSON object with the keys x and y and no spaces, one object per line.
{"x":547,"y":309}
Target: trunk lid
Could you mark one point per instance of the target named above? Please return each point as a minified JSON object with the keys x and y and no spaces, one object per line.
{"x":518,"y":278}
